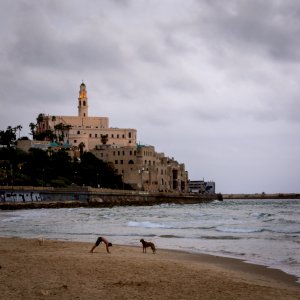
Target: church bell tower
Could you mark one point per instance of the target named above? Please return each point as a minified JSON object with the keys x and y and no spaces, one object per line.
{"x":82,"y":102}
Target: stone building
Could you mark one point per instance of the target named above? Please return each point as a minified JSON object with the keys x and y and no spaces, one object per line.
{"x":144,"y":169}
{"x":90,"y":131}
{"x":140,"y":166}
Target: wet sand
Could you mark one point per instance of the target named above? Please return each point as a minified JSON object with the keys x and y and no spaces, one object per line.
{"x":66,"y":270}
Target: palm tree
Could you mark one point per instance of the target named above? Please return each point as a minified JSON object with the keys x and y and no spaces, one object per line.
{"x":59,"y":129}
{"x":39,"y":121}
{"x":19,"y":128}
{"x":67,"y":128}
{"x":32,"y":127}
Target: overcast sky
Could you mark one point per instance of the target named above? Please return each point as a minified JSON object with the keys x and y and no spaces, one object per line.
{"x":212,"y":83}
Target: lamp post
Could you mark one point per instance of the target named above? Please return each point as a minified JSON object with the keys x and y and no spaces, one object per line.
{"x":98,"y":185}
{"x":43,"y":170}
{"x":12,"y":176}
{"x":6,"y":180}
{"x":75,"y":174}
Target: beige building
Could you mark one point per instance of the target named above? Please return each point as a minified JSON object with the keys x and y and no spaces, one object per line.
{"x":144,"y":169}
{"x":140,"y":166}
{"x":90,"y":131}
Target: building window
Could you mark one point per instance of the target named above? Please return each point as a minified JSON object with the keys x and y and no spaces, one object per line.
{"x":75,"y":141}
{"x":83,"y":103}
{"x":119,"y":153}
{"x":78,"y":132}
{"x":130,"y":152}
{"x":90,"y":135}
{"x":96,"y":135}
{"x":130,"y":162}
{"x":123,"y":153}
{"x":121,"y":162}
{"x":123,"y":136}
{"x":114,"y":153}
{"x":117,"y":136}
{"x":129,"y":135}
{"x":112,"y":136}
{"x":116,"y":162}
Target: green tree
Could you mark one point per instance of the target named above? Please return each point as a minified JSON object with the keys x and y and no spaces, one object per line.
{"x":8,"y":137}
{"x":39,"y":168}
{"x":32,"y":127}
{"x":81,"y":146}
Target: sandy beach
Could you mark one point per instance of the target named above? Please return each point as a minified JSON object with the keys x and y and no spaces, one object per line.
{"x":66,"y":270}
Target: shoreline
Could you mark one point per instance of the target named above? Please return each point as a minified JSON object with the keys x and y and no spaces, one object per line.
{"x":55,"y":269}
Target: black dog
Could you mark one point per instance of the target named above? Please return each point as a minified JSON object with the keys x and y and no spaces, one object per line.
{"x":146,"y":245}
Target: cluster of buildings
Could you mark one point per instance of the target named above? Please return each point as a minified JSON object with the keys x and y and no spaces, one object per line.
{"x":139,"y":165}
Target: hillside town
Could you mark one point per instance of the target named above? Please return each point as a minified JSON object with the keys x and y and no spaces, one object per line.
{"x":140,"y":166}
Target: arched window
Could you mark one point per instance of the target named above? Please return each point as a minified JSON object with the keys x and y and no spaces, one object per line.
{"x":130,"y":162}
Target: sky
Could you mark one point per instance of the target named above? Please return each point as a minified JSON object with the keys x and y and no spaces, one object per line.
{"x":212,"y":83}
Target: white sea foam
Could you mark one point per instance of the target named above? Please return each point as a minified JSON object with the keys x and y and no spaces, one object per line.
{"x":146,"y":224}
{"x":239,"y":230}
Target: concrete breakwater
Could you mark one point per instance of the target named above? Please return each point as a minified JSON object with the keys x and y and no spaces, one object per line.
{"x":38,"y":197}
{"x":261,"y":196}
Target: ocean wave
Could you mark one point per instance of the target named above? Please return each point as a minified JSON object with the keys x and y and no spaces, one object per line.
{"x":132,"y":235}
{"x":239,"y":230}
{"x":260,"y":215}
{"x":197,"y":227}
{"x":146,"y":224}
{"x":169,"y":236}
{"x":286,"y":221}
{"x":12,"y":219}
{"x":228,"y":237}
{"x":284,"y":230}
{"x":233,"y":253}
{"x":291,"y":261}
{"x":269,"y":220}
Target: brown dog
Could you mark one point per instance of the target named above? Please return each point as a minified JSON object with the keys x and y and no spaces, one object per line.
{"x":146,"y":245}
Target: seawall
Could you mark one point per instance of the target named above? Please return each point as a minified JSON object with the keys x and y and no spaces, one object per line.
{"x":38,"y":197}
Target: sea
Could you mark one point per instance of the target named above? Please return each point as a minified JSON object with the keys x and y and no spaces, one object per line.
{"x":264,"y":232}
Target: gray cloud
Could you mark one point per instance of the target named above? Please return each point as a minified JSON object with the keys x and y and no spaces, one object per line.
{"x":212,"y":83}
